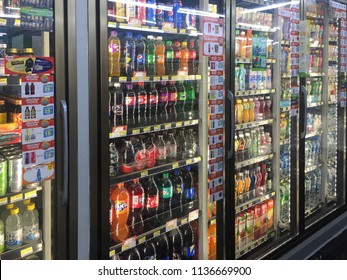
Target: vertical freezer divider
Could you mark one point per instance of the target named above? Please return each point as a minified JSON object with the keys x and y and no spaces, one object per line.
{"x":231,"y":99}
{"x":303,"y":119}
{"x":65,"y":187}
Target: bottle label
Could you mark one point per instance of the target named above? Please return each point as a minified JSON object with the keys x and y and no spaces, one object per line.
{"x":192,"y":55}
{"x":127,"y":168}
{"x":152,"y":201}
{"x":153,"y":99}
{"x":178,"y":54}
{"x":163,"y":97}
{"x":159,"y":59}
{"x":118,"y":110}
{"x":169,"y":55}
{"x":189,"y":251}
{"x":151,"y":156}
{"x":161,"y":153}
{"x":166,"y":192}
{"x":142,"y":100}
{"x":190,"y":193}
{"x":140,"y":59}
{"x":150,"y":59}
{"x":182,"y":95}
{"x":178,"y":189}
{"x":130,"y":100}
{"x":14,"y":238}
{"x":31,"y":232}
{"x":119,"y":206}
{"x":172,"y":96}
{"x":138,"y":201}
{"x":191,"y":94}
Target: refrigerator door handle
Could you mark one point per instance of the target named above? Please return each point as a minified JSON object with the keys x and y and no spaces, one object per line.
{"x":231,"y":99}
{"x":63,"y":112}
{"x":303,"y":96}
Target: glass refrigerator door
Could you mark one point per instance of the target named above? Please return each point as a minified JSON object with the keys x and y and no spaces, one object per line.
{"x":158,"y":76}
{"x":27,"y":129}
{"x":325,"y":122}
{"x":266,"y":41}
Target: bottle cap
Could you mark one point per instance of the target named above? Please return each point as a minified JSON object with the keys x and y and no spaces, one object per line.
{"x":129,"y":34}
{"x":184,"y":44}
{"x":9,"y":206}
{"x":14,"y":211}
{"x":159,"y":38}
{"x":150,"y":37}
{"x":116,"y":85}
{"x":113,"y":33}
{"x":26,"y":201}
{"x":168,"y":43}
{"x":31,"y":206}
{"x":165,"y":175}
{"x":120,"y":185}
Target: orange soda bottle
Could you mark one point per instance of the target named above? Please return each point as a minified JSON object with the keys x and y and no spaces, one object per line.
{"x":160,"y":56}
{"x":243,"y":45}
{"x":249,"y":44}
{"x":212,"y":241}
{"x":120,"y":199}
{"x":114,"y":49}
{"x":184,"y":59}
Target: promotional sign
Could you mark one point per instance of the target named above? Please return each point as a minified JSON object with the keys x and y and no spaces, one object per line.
{"x":213,"y":36}
{"x":304,"y":48}
{"x":37,"y":86}
{"x":38,"y":153}
{"x":38,"y":131}
{"x":37,"y":108}
{"x":38,"y":173}
{"x":29,"y":65}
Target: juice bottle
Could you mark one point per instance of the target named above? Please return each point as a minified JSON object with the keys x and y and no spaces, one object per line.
{"x":251,"y":109}
{"x":240,"y":187}
{"x":114,"y":48}
{"x":247,"y":184}
{"x":267,"y":108}
{"x":184,"y":59}
{"x":236,"y":146}
{"x":256,"y":108}
{"x":242,"y":77}
{"x":120,"y":200}
{"x":249,"y":44}
{"x":239,"y":111}
{"x":245,"y":105}
{"x":160,"y":56}
{"x":249,"y":225}
{"x":212,"y":241}
{"x":120,"y":12}
{"x":243,"y":45}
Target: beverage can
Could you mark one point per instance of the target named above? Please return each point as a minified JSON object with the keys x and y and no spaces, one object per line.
{"x":141,"y":11}
{"x":160,"y":15}
{"x":151,"y":13}
{"x":168,"y":16}
{"x":3,"y":176}
{"x":177,"y":16}
{"x":15,"y":173}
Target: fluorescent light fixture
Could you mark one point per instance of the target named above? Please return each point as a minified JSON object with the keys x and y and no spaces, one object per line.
{"x":9,"y":16}
{"x":269,"y":7}
{"x":140,"y":29}
{"x":259,"y":27}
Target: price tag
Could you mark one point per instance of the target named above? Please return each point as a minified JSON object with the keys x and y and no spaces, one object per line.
{"x":213,"y":222}
{"x":30,"y":194}
{"x":17,"y":22}
{"x":175,"y":78}
{"x":198,"y":77}
{"x":122,"y":79}
{"x":154,"y":27}
{"x":186,"y":123}
{"x":3,"y":81}
{"x":142,"y":240}
{"x":189,"y":161}
{"x":179,"y":124}
{"x":156,"y":233}
{"x":135,"y":79}
{"x":168,"y":125}
{"x":146,"y":129}
{"x":3,"y":200}
{"x":175,"y":165}
{"x":183,"y":31}
{"x":112,"y":24}
{"x":129,"y":243}
{"x":144,"y":173}
{"x":112,"y":253}
{"x":193,"y":215}
{"x":157,"y":127}
{"x":136,"y":131}
{"x":3,"y":21}
{"x":170,"y":225}
{"x":17,"y":197}
{"x":156,"y":78}
{"x":165,"y":78}
{"x":26,"y":252}
{"x":184,"y":221}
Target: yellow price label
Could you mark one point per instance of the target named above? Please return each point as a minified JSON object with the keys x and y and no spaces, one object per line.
{"x":154,"y":27}
{"x":165,"y":78}
{"x":157,"y":127}
{"x":175,"y":78}
{"x":17,"y":197}
{"x":27,"y":251}
{"x":135,"y":79}
{"x":112,"y":24}
{"x":112,"y":253}
{"x":189,"y":161}
{"x":136,"y":131}
{"x":17,"y":22}
{"x":213,"y":222}
{"x":198,"y":77}
{"x":175,"y":165}
{"x":142,"y":240}
{"x":184,"y":221}
{"x":168,"y":126}
{"x":3,"y":21}
{"x":186,"y":123}
{"x":178,"y":124}
{"x":146,"y":129}
{"x":3,"y":81}
{"x":183,"y":31}
{"x":170,"y":225}
{"x":122,"y":79}
{"x":156,"y":78}
{"x":156,"y":233}
{"x":144,"y":173}
{"x":3,"y":200}
{"x":30,"y":194}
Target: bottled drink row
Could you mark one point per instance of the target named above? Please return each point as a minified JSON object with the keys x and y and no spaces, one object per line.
{"x":314,"y":122}
{"x":151,"y":15}
{"x":284,"y":126}
{"x":284,"y":201}
{"x":316,"y":32}
{"x":151,"y":56}
{"x":253,"y":181}
{"x":313,"y":184}
{"x":151,"y":103}
{"x":253,"y":224}
{"x":312,"y":151}
{"x":150,"y":202}
{"x":178,"y":244}
{"x":316,"y":61}
{"x":284,"y":161}
{"x":314,"y":90}
{"x":251,"y":143}
{"x":19,"y":224}
{"x":258,"y":18}
{"x":253,"y":109}
{"x":135,"y":154}
{"x":248,"y":79}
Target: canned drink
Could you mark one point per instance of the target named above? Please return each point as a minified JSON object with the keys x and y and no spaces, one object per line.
{"x":3,"y":176}
{"x":177,"y":16}
{"x":150,"y":13}
{"x":168,"y":16}
{"x":15,"y":167}
{"x":160,"y":15}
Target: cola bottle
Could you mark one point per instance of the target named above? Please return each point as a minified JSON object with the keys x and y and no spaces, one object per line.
{"x":189,"y":190}
{"x":177,"y":196}
{"x":171,"y":106}
{"x":128,"y":60}
{"x":128,"y":157}
{"x":175,"y":244}
{"x":130,"y":106}
{"x":147,"y":251}
{"x":162,"y":247}
{"x":181,"y":145}
{"x":161,"y":150}
{"x":151,"y":202}
{"x":141,"y":106}
{"x":140,"y":54}
{"x":171,"y":148}
{"x":181,"y":100}
{"x":191,"y":143}
{"x":192,"y":65}
{"x":177,"y":56}
{"x":114,"y":160}
{"x":137,"y":201}
{"x":165,"y":199}
{"x":163,"y":101}
{"x":117,"y":96}
{"x":189,"y":241}
{"x":141,"y":154}
{"x":151,"y":151}
{"x":153,"y":99}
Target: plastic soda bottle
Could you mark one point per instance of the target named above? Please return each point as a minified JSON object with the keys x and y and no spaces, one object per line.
{"x":141,"y":104}
{"x":114,"y":49}
{"x":14,"y":229}
{"x":153,"y":100}
{"x":190,"y":100}
{"x":129,"y":55}
{"x":165,"y":194}
{"x":150,"y":56}
{"x":189,"y":190}
{"x":181,"y":100}
{"x":169,"y":57}
{"x":6,"y":212}
{"x":193,"y":69}
{"x":178,"y":189}
{"x":184,"y":59}
{"x":251,"y":110}
{"x":120,"y":201}
{"x":151,"y":202}
{"x":245,"y":105}
{"x":163,"y":101}
{"x":160,"y":56}
{"x":188,"y":242}
{"x":31,"y":224}
{"x":177,"y":56}
{"x":140,"y":53}
{"x":130,"y":105}
{"x":171,"y":107}
{"x":137,"y":203}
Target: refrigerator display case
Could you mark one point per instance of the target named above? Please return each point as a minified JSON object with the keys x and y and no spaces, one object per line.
{"x":29,"y":79}
{"x":160,"y":166}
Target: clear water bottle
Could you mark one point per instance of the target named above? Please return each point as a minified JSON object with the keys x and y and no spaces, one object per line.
{"x":14,"y":229}
{"x":31,"y":232}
